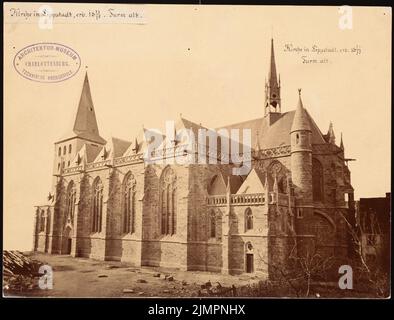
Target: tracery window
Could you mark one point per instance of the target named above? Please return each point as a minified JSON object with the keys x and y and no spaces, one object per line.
{"x":128,"y":205}
{"x":97,"y":205}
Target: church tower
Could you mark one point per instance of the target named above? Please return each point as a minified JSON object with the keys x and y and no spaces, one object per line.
{"x":272,"y":87}
{"x":84,"y":131}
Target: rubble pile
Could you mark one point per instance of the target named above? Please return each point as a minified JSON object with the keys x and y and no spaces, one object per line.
{"x":20,"y":273}
{"x":207,"y":290}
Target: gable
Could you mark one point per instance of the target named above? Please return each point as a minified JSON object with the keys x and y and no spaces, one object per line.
{"x":253,"y":183}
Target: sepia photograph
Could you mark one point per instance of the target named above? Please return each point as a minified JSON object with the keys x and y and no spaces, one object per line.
{"x":196,"y":151}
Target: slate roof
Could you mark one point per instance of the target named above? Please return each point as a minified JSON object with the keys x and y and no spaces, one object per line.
{"x":85,"y":124}
{"x":114,"y":148}
{"x":278,"y":133}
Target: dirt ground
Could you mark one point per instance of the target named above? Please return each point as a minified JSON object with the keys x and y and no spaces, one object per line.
{"x":81,"y":277}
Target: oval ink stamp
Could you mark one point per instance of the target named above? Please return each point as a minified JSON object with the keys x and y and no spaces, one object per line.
{"x":47,"y":62}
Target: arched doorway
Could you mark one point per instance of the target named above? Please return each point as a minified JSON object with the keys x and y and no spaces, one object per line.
{"x":249,"y":258}
{"x":67,"y":240}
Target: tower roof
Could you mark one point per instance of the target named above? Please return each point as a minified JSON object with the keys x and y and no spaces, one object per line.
{"x":301,"y":119}
{"x":272,"y":76}
{"x":85,"y":124}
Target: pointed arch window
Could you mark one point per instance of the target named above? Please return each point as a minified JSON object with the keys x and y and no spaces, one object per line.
{"x":168,"y":199}
{"x":212,"y":224}
{"x":317,"y":180}
{"x":97,"y":205}
{"x":70,"y":205}
{"x":248,"y":219}
{"x":129,"y":184}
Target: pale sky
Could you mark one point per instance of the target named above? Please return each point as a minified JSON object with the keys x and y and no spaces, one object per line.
{"x":208,"y":63}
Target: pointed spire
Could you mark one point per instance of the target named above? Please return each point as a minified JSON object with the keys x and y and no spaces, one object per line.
{"x":85,"y":124}
{"x":272,"y":88}
{"x":331,"y":134}
{"x":341,"y":145}
{"x":272,"y":76}
{"x":301,"y":120}
{"x":135,"y":148}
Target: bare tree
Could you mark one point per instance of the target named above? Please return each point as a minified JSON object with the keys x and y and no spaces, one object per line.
{"x":378,"y":280}
{"x":302,"y":270}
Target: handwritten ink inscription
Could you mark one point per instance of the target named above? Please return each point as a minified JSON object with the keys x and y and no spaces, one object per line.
{"x":316,"y":54}
{"x":94,"y":14}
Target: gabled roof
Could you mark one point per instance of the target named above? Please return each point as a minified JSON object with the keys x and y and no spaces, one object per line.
{"x":86,"y":154}
{"x":114,"y":148}
{"x":254,"y":183}
{"x":235,"y":180}
{"x":140,"y":140}
{"x":219,"y":183}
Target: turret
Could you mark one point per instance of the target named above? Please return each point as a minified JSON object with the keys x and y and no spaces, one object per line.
{"x":301,"y":154}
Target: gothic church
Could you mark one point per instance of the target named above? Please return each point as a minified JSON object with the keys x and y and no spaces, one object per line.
{"x":108,"y":203}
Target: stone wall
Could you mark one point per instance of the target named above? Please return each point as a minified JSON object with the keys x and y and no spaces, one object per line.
{"x":192,"y":247}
